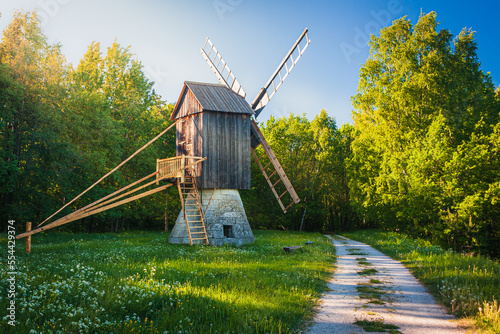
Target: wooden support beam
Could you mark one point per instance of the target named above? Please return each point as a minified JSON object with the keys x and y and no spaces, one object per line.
{"x":157,"y":172}
{"x":104,"y":203}
{"x":118,"y":197}
{"x":133,"y":198}
{"x":210,"y":200}
{"x":116,"y":192}
{"x":28,"y":239}
{"x":92,"y":208}
{"x":183,"y":162}
{"x":71,"y":217}
{"x":76,"y":214}
{"x":110,"y":172}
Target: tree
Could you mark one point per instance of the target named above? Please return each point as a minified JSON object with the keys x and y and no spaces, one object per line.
{"x":32,"y":73}
{"x":312,"y":154}
{"x":61,"y":128}
{"x":118,"y":111}
{"x":421,"y":98}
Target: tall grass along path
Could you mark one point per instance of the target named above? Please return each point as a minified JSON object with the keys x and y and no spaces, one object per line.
{"x":371,"y":292}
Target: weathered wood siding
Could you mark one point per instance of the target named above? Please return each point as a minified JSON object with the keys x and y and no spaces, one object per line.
{"x":188,"y":104}
{"x":222,"y":136}
{"x":189,"y":138}
{"x":226,"y":144}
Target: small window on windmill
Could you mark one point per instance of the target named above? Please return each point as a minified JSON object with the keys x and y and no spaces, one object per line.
{"x":228,"y":231}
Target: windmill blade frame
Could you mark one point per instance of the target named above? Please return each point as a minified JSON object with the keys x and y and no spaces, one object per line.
{"x":273,"y":161}
{"x":223,"y":74}
{"x":277,"y":78}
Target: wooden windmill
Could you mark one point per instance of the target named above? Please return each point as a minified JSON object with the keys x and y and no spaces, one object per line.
{"x":215,"y":137}
{"x":214,"y":121}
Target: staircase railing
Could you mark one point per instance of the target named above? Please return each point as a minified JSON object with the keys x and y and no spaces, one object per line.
{"x":175,"y":167}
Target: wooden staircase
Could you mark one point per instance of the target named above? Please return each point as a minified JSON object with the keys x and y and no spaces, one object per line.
{"x":193,"y":210}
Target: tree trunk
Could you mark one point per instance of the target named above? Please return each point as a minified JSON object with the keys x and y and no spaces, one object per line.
{"x":302,"y":221}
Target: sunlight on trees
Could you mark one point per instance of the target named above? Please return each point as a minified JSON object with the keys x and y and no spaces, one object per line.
{"x":425,"y":155}
{"x":422,"y":156}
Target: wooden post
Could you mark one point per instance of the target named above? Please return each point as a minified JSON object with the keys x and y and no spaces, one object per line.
{"x":157,"y":169}
{"x":183,"y":166}
{"x":28,"y":238}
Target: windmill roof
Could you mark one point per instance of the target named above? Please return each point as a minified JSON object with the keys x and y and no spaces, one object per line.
{"x":215,"y":97}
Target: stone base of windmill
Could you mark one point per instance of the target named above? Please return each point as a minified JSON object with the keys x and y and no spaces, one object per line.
{"x":225,"y":220}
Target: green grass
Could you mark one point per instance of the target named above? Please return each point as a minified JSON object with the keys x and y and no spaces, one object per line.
{"x":377,"y":326}
{"x":355,"y":251}
{"x":138,"y":282}
{"x":468,"y":285}
{"x":370,"y":292}
{"x":368,"y":272}
{"x":362,"y":261}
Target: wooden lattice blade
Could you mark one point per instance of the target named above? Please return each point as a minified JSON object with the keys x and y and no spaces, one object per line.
{"x":223,"y":73}
{"x":277,"y":166}
{"x":281,"y":73}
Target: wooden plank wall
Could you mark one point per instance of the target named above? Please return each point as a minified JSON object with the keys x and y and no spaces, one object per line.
{"x":226,"y":145}
{"x":188,"y":104}
{"x":189,"y":138}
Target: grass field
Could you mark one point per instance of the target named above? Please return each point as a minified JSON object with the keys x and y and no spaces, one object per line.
{"x":139,"y":283}
{"x":468,"y":285}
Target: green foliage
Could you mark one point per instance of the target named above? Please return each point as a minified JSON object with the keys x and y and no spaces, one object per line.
{"x":468,"y":285}
{"x":33,"y":75}
{"x":62,"y":128}
{"x":425,"y":151}
{"x":312,"y":153}
{"x":117,"y":283}
{"x":377,"y":326}
{"x":422,"y":156}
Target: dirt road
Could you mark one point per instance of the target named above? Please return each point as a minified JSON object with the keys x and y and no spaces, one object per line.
{"x":369,"y":291}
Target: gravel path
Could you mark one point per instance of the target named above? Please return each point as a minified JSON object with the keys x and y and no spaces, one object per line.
{"x":388,"y":296}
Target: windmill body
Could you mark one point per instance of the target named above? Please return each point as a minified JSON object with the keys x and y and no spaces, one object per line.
{"x":216,"y":136}
{"x":214,"y":122}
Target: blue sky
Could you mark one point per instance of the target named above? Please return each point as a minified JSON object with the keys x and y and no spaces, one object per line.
{"x":253,"y":37}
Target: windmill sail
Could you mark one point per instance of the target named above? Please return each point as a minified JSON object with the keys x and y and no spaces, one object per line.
{"x":220,"y":68}
{"x":257,"y":138}
{"x":279,"y":76}
{"x":274,"y":168}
